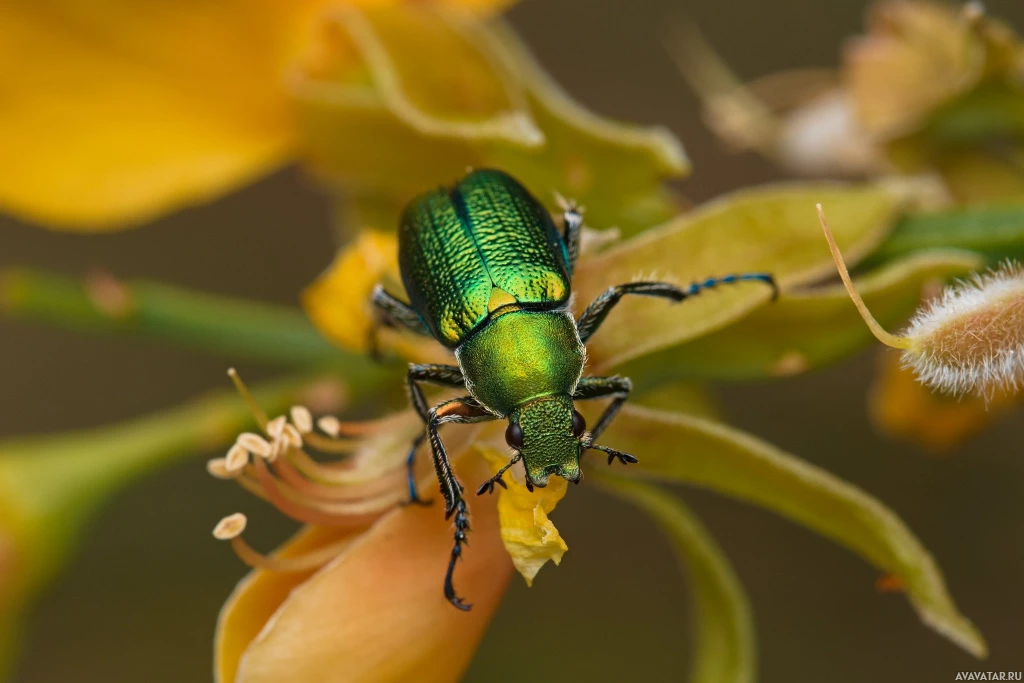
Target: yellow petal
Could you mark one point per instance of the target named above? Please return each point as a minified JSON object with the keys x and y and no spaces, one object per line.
{"x":115,"y":113}
{"x":259,"y":595}
{"x":529,"y":536}
{"x":377,"y":612}
{"x":902,"y":408}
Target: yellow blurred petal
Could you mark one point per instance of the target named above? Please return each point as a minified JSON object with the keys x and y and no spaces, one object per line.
{"x":901,"y":407}
{"x":530,"y":538}
{"x":915,"y":57}
{"x":338,"y":302}
{"x":769,"y":229}
{"x":377,"y":612}
{"x":115,"y":113}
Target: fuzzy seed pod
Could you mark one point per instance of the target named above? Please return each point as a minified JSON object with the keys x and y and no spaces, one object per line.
{"x":970,"y":339}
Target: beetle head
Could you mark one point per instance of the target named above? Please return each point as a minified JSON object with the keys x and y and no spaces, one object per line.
{"x":548,"y":433}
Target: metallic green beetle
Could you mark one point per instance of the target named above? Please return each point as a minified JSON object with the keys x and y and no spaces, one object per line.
{"x":488,"y":275}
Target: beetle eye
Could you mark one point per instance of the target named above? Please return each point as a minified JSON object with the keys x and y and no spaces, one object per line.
{"x":579,"y":425}
{"x":514,"y":435}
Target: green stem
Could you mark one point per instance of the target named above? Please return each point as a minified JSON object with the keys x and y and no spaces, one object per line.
{"x":238,"y":329}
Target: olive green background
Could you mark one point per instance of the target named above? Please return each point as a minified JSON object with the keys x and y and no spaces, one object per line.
{"x":140,"y":601}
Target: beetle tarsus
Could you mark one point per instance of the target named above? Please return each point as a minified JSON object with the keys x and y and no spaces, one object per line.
{"x":624,"y":458}
{"x":488,"y":486}
{"x":461,"y":529}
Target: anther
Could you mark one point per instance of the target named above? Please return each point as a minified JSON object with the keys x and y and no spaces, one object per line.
{"x":256,"y":444}
{"x":230,"y":527}
{"x":329,"y":425}
{"x":236,"y":459}
{"x":302,"y":419}
{"x":217,"y":468}
{"x":275,"y":426}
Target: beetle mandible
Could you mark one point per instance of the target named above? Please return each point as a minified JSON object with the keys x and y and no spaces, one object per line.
{"x":488,"y":275}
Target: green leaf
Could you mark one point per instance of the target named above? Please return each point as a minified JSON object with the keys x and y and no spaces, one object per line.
{"x":770,"y":229}
{"x":692,"y":450}
{"x":804,"y":329}
{"x":614,"y":169}
{"x":725,"y":649}
{"x":996,"y":231}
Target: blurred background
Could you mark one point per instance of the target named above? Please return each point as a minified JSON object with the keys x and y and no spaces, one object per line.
{"x":140,"y":601}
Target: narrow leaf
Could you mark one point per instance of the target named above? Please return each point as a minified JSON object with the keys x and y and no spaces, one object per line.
{"x":680,"y":448}
{"x":725,"y":651}
{"x":769,"y":229}
{"x":996,"y":231}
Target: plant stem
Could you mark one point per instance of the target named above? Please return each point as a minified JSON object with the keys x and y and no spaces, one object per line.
{"x":235,"y":328}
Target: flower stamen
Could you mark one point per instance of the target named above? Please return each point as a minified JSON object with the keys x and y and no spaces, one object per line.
{"x":231,"y":527}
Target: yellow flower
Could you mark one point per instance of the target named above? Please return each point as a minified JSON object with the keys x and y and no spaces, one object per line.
{"x":116,"y":114}
{"x":358,"y":595}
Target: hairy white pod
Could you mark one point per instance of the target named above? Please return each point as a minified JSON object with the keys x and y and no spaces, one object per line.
{"x":970,"y":339}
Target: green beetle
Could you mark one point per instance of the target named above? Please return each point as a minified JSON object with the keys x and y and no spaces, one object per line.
{"x":488,"y":275}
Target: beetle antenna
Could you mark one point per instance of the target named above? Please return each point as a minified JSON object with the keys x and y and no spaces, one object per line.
{"x":488,"y":486}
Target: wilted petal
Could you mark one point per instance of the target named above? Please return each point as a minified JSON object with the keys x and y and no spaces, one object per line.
{"x":698,"y":451}
{"x":377,"y":612}
{"x":108,"y":120}
{"x":725,"y":651}
{"x":530,"y":537}
{"x":901,"y":407}
{"x":805,"y":329}
{"x":915,"y":57}
{"x":769,"y":229}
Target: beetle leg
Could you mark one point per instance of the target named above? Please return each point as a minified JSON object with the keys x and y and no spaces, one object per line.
{"x":572,"y":228}
{"x":444,"y":375}
{"x":617,"y":388}
{"x":460,"y":411}
{"x":392,"y":312}
{"x":602,"y":306}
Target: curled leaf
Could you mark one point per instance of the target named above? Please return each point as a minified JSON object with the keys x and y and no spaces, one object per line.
{"x":768,"y":229}
{"x":804,"y":329}
{"x":386,"y":118}
{"x":725,"y":649}
{"x":738,"y":465}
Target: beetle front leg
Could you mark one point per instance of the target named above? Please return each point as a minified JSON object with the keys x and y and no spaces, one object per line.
{"x":443,"y":375}
{"x":595,"y":314}
{"x":460,"y":411}
{"x":393,"y":312}
{"x":572,"y":229}
{"x":618,"y":389}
